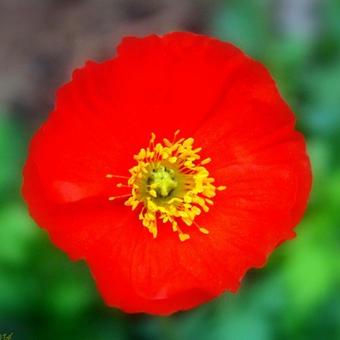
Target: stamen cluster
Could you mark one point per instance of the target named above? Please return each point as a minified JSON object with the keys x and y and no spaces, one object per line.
{"x":171,"y":184}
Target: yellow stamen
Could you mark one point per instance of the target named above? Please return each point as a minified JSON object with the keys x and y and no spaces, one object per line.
{"x":112,"y":198}
{"x":121,"y":185}
{"x":206,"y":161}
{"x":116,"y":176}
{"x":171,"y":184}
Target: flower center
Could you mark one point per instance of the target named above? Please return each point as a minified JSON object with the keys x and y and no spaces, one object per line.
{"x":162,"y":181}
{"x":170,"y":184}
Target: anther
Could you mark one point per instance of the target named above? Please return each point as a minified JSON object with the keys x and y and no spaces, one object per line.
{"x":112,"y":198}
{"x":116,"y":176}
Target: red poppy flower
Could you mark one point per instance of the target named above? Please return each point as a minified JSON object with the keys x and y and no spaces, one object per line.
{"x":171,"y":170}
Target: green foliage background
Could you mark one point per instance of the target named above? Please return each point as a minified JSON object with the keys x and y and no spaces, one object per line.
{"x":297,"y":296}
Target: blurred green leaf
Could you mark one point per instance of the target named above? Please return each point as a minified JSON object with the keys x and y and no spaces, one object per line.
{"x":17,"y":231}
{"x":245,"y":23}
{"x":11,"y":153}
{"x":311,"y":270}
